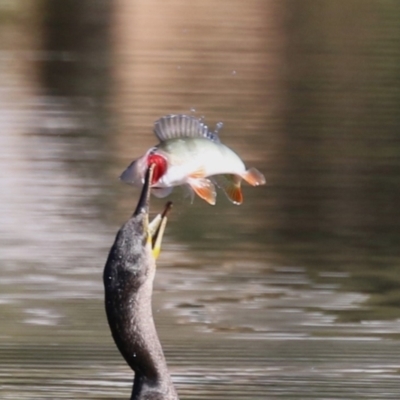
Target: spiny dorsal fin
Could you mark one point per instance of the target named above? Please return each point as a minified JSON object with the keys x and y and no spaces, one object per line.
{"x":181,"y":126}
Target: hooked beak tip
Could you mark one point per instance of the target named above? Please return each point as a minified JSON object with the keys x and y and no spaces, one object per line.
{"x":155,"y":229}
{"x":143,"y":203}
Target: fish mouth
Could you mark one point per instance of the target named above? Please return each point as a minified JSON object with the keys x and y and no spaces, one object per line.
{"x":156,"y":228}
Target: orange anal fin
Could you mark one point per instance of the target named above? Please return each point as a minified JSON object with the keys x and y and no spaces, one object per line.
{"x":253,"y":177}
{"x":230,"y":184}
{"x":234,"y":194}
{"x":204,"y":188}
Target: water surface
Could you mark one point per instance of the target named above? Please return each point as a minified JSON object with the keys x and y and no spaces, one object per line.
{"x":294,"y":294}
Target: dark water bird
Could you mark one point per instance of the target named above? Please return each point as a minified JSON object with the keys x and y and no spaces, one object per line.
{"x":128,"y":282}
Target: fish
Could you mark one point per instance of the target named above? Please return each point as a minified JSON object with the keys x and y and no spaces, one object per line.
{"x":190,"y":154}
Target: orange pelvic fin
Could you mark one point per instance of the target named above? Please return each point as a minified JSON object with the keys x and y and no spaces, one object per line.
{"x":253,"y":177}
{"x":230,"y":184}
{"x":204,"y":188}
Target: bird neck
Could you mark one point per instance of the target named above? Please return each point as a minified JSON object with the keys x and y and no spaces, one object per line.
{"x":144,"y":353}
{"x":128,"y":281}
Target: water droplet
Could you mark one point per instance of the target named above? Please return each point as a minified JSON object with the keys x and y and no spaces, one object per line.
{"x":218,"y":127}
{"x":233,"y":72}
{"x":178,"y":67}
{"x":193,"y":110}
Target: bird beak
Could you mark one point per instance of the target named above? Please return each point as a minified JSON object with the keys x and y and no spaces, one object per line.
{"x":155,"y":229}
{"x":144,"y":200}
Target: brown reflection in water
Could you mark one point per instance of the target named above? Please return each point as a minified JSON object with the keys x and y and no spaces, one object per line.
{"x":340,"y":140}
{"x":77,"y":45}
{"x":221,"y":59}
{"x":313,"y":102}
{"x":20,"y":40}
{"x":339,"y":157}
{"x":307,"y":91}
{"x":75,"y":77}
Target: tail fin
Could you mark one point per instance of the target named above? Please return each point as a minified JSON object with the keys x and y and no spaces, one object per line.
{"x":253,"y":177}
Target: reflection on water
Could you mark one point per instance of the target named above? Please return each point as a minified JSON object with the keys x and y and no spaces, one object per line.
{"x":294,"y":294}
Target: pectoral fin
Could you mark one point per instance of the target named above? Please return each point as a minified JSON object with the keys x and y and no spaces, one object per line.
{"x":204,"y":188}
{"x":199,"y":173}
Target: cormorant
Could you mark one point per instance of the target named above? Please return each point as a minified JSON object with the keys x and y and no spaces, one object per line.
{"x":128,"y":282}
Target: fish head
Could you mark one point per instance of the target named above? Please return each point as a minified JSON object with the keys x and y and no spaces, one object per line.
{"x":134,"y":174}
{"x":136,"y":171}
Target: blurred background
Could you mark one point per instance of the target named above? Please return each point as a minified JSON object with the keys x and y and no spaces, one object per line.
{"x":292,"y":295}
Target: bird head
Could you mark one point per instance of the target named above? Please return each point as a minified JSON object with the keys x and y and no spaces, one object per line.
{"x":153,"y":230}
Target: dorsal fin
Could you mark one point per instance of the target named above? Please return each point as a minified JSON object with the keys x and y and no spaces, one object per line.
{"x":181,"y":126}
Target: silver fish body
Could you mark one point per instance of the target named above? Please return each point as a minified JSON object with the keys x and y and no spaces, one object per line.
{"x":196,"y":157}
{"x":188,"y":154}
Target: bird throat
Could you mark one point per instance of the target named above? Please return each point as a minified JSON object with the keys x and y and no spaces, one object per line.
{"x":160,"y":166}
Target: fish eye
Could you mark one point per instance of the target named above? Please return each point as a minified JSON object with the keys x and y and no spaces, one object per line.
{"x":160,"y":164}
{"x":151,"y":151}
